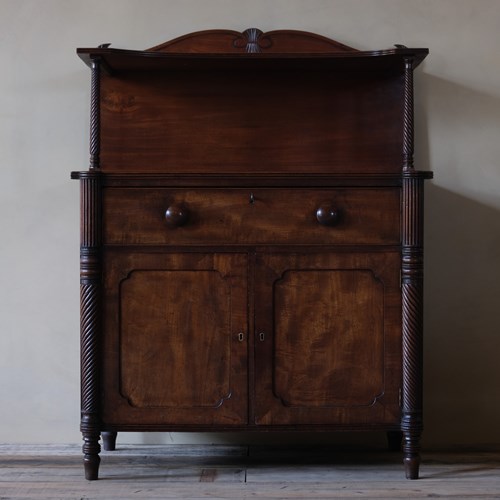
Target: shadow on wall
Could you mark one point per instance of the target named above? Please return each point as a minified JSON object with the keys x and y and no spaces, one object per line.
{"x":462,"y":321}
{"x":459,"y":126}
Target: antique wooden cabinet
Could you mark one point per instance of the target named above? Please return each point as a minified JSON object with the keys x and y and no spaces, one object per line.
{"x":251,"y":240}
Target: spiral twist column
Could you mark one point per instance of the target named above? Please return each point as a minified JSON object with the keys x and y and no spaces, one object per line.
{"x":95,"y":114}
{"x":412,"y":290}
{"x":90,"y":324}
{"x":90,"y":290}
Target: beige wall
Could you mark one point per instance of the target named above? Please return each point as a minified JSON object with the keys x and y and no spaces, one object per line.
{"x":43,"y":136}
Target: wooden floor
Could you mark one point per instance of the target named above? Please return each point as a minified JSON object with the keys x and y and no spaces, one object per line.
{"x":236,"y":472}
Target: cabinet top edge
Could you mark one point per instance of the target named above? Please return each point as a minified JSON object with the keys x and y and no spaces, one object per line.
{"x":250,"y":49}
{"x":118,"y":60}
{"x":304,"y":180}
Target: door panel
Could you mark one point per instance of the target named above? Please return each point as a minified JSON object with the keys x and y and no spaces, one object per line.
{"x":330,"y":328}
{"x":320,"y":336}
{"x":170,"y":325}
{"x":175,"y":321}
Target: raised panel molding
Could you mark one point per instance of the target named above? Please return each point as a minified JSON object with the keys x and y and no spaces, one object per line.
{"x":321,"y":321}
{"x":188,"y":313}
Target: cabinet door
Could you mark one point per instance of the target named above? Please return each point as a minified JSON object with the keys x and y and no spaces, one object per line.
{"x":175,"y":328}
{"x":328,"y":341}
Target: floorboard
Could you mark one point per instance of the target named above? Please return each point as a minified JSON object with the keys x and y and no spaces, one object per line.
{"x":238,"y":472}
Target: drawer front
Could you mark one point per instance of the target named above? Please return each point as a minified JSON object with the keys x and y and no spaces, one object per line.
{"x":264,"y":216}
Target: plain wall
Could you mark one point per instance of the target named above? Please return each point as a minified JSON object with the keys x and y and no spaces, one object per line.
{"x":44,"y":109}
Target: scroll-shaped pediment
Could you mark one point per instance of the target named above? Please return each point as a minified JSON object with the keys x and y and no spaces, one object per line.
{"x":252,"y":40}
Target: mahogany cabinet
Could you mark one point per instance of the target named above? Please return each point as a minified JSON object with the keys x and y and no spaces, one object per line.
{"x":251,"y":240}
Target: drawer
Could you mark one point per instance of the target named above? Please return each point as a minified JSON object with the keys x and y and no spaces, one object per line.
{"x":263,"y":216}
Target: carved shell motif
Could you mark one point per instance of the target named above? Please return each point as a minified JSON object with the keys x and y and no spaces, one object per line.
{"x":253,"y":41}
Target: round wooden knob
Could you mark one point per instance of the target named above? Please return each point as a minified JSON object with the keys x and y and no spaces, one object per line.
{"x":327,"y":215}
{"x":176,"y":215}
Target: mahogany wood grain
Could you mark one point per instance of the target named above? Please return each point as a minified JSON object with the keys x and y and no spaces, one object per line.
{"x":331,"y":338}
{"x":173,"y":351}
{"x":228,"y":217}
{"x":214,"y":122}
{"x":252,"y":40}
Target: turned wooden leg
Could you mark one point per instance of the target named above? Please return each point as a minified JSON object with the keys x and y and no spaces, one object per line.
{"x":91,"y":459}
{"x":394,"y":439}
{"x":109,"y":441}
{"x":411,"y":450}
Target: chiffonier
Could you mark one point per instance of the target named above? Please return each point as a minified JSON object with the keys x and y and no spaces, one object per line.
{"x":251,"y":240}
